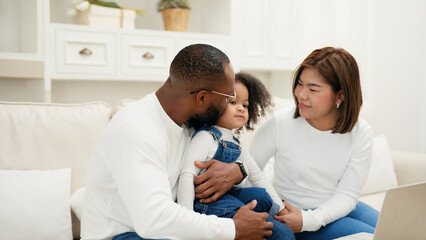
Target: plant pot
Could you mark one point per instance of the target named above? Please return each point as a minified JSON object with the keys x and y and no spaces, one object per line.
{"x":175,"y":19}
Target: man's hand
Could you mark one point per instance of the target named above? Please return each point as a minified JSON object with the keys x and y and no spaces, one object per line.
{"x":250,"y":224}
{"x":291,"y":216}
{"x":217,"y":180}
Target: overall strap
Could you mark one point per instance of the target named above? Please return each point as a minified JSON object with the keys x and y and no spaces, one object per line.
{"x":216,"y":133}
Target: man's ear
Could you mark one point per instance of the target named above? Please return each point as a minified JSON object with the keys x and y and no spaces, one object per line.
{"x":201,"y":98}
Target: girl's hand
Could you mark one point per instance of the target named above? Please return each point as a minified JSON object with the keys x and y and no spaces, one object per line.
{"x":291,"y":216}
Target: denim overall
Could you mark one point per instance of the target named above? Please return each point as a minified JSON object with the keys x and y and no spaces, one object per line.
{"x":229,"y":204}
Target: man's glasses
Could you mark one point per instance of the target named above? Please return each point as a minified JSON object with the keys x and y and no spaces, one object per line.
{"x":228,"y":97}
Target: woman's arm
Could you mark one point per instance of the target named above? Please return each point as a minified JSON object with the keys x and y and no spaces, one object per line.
{"x":198,"y":150}
{"x":263,"y":145}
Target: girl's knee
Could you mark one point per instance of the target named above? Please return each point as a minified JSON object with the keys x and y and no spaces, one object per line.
{"x":281,"y":231}
{"x":264,"y":203}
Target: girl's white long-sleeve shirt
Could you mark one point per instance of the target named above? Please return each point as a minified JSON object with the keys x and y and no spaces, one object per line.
{"x":318,"y":171}
{"x":202,"y":148}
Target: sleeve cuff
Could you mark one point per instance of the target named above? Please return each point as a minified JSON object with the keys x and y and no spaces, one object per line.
{"x":228,"y":229}
{"x":310,"y":221}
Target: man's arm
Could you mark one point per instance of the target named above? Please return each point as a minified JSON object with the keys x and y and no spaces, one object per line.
{"x":217,"y":180}
{"x":139,"y":169}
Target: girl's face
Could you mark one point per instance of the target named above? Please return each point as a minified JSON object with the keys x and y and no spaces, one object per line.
{"x":317,"y":100}
{"x":236,"y":113}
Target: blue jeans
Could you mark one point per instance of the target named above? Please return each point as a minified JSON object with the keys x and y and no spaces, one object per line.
{"x":362,"y":219}
{"x":279,"y":232}
{"x":128,"y":236}
{"x":284,"y":233}
{"x":229,"y":204}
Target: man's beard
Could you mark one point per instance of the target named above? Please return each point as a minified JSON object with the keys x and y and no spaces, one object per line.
{"x":209,"y":117}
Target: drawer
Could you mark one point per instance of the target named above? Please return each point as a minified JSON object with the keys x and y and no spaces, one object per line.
{"x":146,"y":56}
{"x":85,"y":52}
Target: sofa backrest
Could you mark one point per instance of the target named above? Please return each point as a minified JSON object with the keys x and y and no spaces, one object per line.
{"x":46,"y":136}
{"x":42,"y":136}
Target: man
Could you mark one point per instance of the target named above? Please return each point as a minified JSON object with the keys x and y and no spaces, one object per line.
{"x":131,"y":180}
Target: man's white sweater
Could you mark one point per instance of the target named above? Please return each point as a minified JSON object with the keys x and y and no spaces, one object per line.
{"x":131,"y":183}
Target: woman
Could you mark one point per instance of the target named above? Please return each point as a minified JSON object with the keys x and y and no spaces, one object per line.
{"x":322,"y":149}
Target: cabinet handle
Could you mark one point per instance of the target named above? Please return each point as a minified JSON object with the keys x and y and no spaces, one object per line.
{"x":148,"y":55}
{"x":85,"y":51}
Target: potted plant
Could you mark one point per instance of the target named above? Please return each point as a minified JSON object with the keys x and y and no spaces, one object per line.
{"x":175,"y":14}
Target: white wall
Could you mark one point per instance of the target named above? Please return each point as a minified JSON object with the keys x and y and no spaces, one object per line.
{"x":399,"y":61}
{"x":388,"y":39}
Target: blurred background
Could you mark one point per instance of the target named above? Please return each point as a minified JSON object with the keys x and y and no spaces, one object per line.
{"x":42,"y":57}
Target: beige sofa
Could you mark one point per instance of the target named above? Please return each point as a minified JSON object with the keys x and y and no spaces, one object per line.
{"x":38,"y":136}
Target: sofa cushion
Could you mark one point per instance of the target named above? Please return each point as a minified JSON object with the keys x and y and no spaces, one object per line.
{"x":46,"y":136}
{"x":122,"y":103}
{"x":35,"y":204}
{"x":381,"y":175}
{"x":50,"y":136}
{"x":410,"y":167}
{"x":77,"y":202}
{"x":374,"y":200}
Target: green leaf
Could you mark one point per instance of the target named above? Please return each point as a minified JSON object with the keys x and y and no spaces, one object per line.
{"x":105,"y":4}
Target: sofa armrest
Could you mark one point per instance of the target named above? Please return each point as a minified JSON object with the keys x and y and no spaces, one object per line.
{"x":410,"y":167}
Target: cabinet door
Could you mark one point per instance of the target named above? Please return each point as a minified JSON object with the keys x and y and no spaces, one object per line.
{"x":249,"y":33}
{"x":84,"y":53}
{"x":261,"y":33}
{"x":280,"y":35}
{"x":146,"y":57}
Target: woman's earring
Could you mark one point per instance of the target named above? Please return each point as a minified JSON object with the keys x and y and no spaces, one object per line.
{"x":338,"y":105}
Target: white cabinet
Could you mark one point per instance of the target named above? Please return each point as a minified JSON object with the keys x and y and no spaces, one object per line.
{"x":21,"y":26}
{"x":86,"y":53}
{"x":21,"y":50}
{"x":146,"y":56}
{"x":82,"y":52}
{"x":255,"y":34}
{"x":21,"y":41}
{"x":262,"y":34}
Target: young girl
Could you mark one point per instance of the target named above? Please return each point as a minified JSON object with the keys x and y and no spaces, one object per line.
{"x":218,"y":142}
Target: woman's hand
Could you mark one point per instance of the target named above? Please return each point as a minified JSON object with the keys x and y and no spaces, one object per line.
{"x":291,"y":216}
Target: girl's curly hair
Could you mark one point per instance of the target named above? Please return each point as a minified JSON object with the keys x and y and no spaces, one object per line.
{"x":260,"y":100}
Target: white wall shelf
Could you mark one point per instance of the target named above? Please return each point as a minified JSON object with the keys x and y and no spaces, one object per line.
{"x":117,"y":54}
{"x":250,"y":37}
